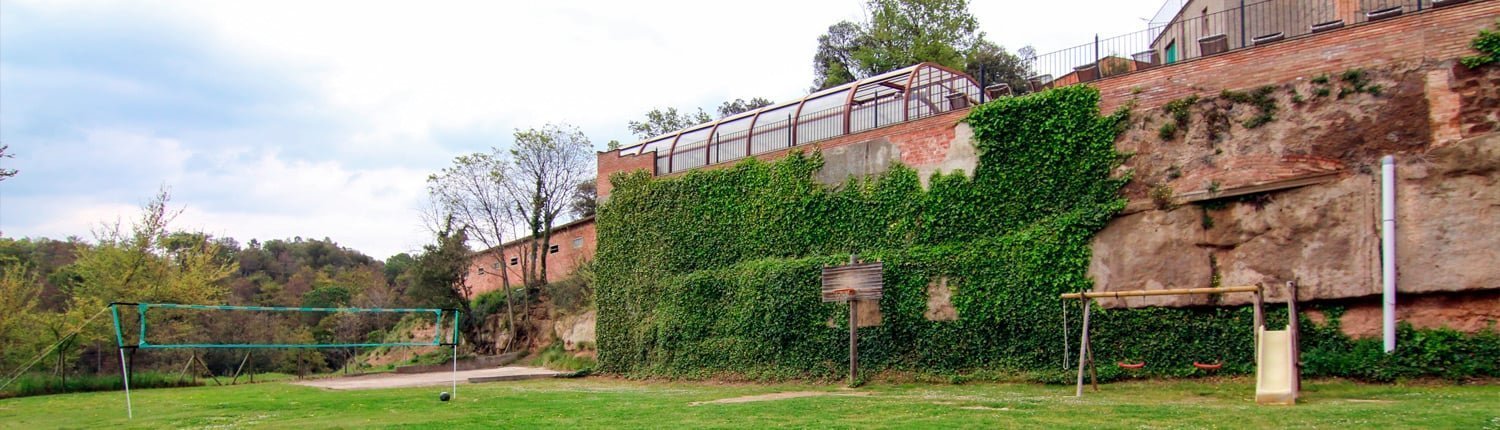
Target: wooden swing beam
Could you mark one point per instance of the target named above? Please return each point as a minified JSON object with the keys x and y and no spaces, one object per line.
{"x":1086,"y":353}
{"x":1168,"y":292}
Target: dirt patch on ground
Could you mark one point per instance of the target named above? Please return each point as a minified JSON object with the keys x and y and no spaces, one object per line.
{"x":396,"y":356}
{"x":778,"y":396}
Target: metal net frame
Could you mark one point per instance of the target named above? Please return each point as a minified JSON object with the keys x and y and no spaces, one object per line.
{"x":440,"y":337}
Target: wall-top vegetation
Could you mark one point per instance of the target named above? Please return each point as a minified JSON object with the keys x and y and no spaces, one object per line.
{"x":715,"y":272}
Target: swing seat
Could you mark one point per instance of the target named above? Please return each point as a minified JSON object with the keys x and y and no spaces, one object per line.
{"x":1130,"y":366}
{"x":1208,"y":366}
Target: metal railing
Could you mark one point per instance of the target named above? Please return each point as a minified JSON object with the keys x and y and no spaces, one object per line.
{"x":1190,"y":34}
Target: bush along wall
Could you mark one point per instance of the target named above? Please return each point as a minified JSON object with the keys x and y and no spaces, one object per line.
{"x":715,"y":273}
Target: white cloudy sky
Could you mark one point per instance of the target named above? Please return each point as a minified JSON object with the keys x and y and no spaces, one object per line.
{"x":274,"y":119}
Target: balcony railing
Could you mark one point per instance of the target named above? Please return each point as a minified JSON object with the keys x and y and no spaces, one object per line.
{"x":1190,"y":34}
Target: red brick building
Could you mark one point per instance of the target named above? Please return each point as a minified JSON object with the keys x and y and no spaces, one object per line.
{"x":571,"y":245}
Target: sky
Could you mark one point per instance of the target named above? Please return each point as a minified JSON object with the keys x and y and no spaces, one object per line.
{"x":277,"y":119}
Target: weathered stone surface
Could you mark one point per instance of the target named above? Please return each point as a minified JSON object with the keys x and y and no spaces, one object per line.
{"x":575,"y":329}
{"x":857,"y":160}
{"x":1448,"y":218}
{"x":1321,"y":236}
{"x":1466,"y":312}
{"x":1325,"y":237}
{"x":1216,"y":149}
{"x":1150,"y":251}
{"x":940,"y":301}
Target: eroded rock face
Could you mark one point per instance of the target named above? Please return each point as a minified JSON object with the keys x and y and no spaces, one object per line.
{"x":1151,"y":251}
{"x":573,"y":330}
{"x":1467,"y":312}
{"x":1448,"y":218}
{"x":1353,"y":130}
{"x":1322,"y":236}
{"x":1325,"y":235}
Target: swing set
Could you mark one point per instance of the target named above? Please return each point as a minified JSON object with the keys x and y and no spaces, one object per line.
{"x":1277,"y":379}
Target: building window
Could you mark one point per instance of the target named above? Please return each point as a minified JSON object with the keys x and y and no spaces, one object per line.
{"x":496,"y":266}
{"x":552,"y":249}
{"x":515,"y":261}
{"x":578,"y":242}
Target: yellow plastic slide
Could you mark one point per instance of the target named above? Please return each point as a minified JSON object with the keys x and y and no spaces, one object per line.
{"x":1275,"y":377}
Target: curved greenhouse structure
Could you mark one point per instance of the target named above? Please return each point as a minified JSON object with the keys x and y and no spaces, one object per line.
{"x":890,"y":98}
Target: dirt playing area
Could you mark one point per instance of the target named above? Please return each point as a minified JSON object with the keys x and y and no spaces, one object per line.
{"x":394,"y":380}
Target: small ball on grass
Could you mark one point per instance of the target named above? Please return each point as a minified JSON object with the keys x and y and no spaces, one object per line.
{"x":444,"y":396}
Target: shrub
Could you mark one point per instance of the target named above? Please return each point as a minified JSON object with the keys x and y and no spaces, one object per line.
{"x":40,"y":384}
{"x":1488,"y":45}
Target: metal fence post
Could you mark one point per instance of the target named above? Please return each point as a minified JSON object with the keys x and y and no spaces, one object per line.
{"x":1096,"y":52}
{"x":1242,"y":23}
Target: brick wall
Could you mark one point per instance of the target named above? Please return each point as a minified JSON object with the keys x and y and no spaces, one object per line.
{"x":1432,"y":35}
{"x":610,"y":162}
{"x":559,"y":264}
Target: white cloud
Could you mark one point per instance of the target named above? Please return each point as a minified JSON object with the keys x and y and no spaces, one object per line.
{"x":341,"y":108}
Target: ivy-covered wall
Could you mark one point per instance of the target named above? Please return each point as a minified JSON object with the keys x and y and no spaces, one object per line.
{"x":715,"y":272}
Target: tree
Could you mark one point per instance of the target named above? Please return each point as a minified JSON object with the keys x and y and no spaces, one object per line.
{"x":19,"y":316}
{"x":476,"y":192}
{"x":897,"y":34}
{"x":905,"y":32}
{"x":990,"y":64}
{"x":6,"y":173}
{"x":144,"y":263}
{"x":738,"y":106}
{"x":586,"y":199}
{"x":833,"y":64}
{"x":549,"y":164}
{"x":439,"y":278}
{"x":663,"y":121}
{"x":526,"y":188}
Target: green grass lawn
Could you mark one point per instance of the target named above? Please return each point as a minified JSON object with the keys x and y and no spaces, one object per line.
{"x":599,"y":402}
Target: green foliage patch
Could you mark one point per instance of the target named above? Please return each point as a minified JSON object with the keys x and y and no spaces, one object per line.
{"x":716,"y":272}
{"x":1488,"y":45}
{"x":40,"y":384}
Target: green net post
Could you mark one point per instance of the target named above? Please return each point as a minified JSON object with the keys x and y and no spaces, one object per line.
{"x":114,"y":312}
{"x":141,"y":310}
{"x":437,"y":338}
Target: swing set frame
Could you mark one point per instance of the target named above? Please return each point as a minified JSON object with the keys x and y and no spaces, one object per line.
{"x":1086,"y":351}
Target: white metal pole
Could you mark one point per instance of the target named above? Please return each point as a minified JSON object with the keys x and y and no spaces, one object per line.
{"x":455,"y":369}
{"x":1083,"y":346}
{"x":1388,"y":247}
{"x":125,"y":374}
